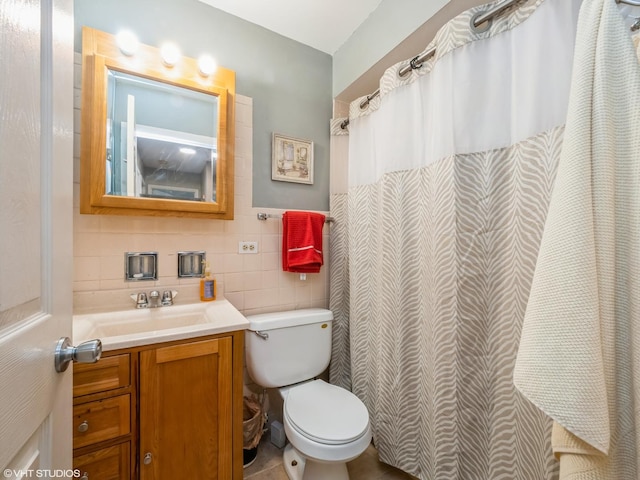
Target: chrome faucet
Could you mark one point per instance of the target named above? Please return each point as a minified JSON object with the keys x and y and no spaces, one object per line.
{"x":153,"y":300}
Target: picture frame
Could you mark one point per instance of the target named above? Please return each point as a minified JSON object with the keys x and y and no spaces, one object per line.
{"x":291,"y":159}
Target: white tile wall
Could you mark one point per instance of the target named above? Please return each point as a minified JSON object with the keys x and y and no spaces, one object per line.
{"x":254,"y":283}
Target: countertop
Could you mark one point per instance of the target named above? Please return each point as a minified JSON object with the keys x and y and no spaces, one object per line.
{"x":145,"y":326}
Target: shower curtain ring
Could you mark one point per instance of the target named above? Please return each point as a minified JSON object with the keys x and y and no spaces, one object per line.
{"x":414,"y":63}
{"x":482,"y":27}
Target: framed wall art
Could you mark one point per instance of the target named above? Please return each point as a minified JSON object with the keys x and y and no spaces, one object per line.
{"x":292,"y":159}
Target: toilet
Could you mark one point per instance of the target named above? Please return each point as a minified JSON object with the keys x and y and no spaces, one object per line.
{"x":326,"y":425}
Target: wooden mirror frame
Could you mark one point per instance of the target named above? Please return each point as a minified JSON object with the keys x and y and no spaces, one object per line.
{"x":100,"y":53}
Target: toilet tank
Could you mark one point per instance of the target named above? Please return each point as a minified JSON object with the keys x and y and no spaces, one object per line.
{"x":283,"y":348}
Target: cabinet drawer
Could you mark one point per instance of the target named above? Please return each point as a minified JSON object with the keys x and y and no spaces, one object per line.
{"x":111,"y":463}
{"x":108,"y":373}
{"x":101,"y":420}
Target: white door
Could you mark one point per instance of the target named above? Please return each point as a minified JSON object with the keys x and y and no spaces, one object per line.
{"x":36,"y":232}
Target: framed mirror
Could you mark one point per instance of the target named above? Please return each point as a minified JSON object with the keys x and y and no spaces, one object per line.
{"x":156,"y":139}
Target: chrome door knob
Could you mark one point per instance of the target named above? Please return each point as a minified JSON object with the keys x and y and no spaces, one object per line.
{"x":86,"y":352}
{"x":147,"y":458}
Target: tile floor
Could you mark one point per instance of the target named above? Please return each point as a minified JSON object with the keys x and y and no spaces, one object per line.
{"x":268,"y":465}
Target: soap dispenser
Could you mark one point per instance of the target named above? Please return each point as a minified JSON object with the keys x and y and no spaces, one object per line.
{"x":207,"y":286}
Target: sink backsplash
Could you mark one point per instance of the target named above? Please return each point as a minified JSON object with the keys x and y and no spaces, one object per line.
{"x":253,"y":283}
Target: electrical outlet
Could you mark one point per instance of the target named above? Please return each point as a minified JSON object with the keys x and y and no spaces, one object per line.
{"x":247,"y":247}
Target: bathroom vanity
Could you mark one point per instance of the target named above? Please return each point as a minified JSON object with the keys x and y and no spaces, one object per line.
{"x":162,"y":409}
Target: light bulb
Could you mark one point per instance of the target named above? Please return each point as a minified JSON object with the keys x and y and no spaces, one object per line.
{"x":127,"y":42}
{"x":170,"y":54}
{"x":207,"y":65}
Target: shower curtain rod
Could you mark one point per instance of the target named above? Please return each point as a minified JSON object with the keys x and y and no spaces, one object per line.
{"x":477,"y":20}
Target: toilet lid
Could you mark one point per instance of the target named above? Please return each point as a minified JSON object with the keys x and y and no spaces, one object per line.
{"x":326,"y":413}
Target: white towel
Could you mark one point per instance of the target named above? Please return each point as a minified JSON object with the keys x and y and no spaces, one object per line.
{"x":579,"y":355}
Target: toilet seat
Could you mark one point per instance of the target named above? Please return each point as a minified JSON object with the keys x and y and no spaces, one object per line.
{"x":325,"y":413}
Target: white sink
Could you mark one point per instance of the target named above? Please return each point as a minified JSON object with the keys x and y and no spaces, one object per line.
{"x":135,"y":327}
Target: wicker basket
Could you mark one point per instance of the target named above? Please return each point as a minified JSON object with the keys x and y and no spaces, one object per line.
{"x":253,"y":422}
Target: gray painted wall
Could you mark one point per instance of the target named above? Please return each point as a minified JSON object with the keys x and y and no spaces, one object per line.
{"x":290,"y":83}
{"x":384,"y":29}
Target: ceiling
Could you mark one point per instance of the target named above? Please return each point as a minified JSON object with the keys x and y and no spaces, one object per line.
{"x":322,"y":24}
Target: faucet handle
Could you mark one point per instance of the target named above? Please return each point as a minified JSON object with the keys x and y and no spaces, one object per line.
{"x":141,"y":300}
{"x":167,"y":298}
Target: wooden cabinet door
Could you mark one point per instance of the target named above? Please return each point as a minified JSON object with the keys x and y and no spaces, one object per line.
{"x":185,"y":411}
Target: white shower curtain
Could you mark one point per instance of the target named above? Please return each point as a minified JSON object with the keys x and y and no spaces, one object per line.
{"x":435,"y":243}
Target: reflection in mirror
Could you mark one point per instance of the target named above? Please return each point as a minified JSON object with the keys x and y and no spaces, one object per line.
{"x":161,"y":140}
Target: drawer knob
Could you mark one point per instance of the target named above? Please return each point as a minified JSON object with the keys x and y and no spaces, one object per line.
{"x":83,"y":427}
{"x":85,"y":476}
{"x":147,"y":458}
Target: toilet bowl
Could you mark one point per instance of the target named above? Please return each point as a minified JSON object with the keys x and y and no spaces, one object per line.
{"x":326,"y":425}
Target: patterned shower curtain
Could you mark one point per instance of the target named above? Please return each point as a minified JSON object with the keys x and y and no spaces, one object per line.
{"x":435,"y":243}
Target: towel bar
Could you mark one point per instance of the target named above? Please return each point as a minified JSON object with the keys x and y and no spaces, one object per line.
{"x":264,"y":216}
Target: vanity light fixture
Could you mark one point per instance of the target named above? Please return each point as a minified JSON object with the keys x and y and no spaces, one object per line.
{"x":170,"y":54}
{"x":207,"y":65}
{"x":127,"y":42}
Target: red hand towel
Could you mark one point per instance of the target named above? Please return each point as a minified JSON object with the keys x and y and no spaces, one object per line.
{"x":302,"y":242}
